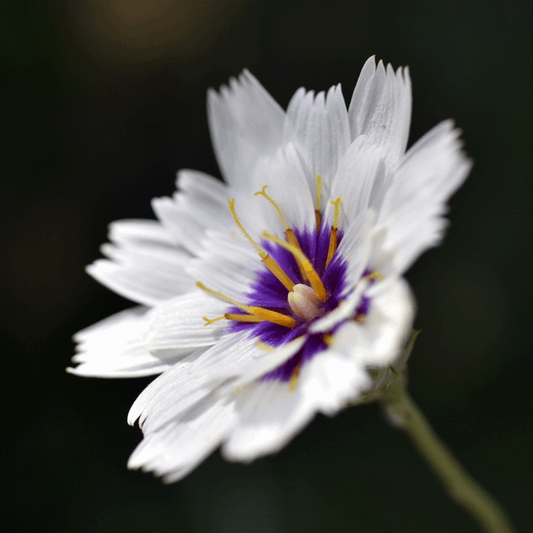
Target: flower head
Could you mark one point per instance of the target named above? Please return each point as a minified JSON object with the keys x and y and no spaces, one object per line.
{"x":273,"y":296}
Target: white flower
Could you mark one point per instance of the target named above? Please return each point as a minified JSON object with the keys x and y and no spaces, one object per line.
{"x":267,"y":298}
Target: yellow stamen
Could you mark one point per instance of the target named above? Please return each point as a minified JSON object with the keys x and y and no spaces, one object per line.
{"x":318,"y":191}
{"x":333,"y":236}
{"x":336,"y":203}
{"x":272,"y":316}
{"x":266,"y":314}
{"x":317,"y":205}
{"x":332,"y":245}
{"x":258,"y":248}
{"x":374,"y":275}
{"x":327,"y":338}
{"x":233,"y":316}
{"x":318,"y":221}
{"x":243,"y":318}
{"x":292,"y":239}
{"x":209,"y":321}
{"x":222,"y":296}
{"x":270,"y":263}
{"x":276,"y":206}
{"x":294,"y":377}
{"x":360,"y":319}
{"x":265,"y":347}
{"x":278,"y":272}
{"x":310,"y":272}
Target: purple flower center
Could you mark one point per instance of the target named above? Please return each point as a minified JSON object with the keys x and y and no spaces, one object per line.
{"x":269,"y":293}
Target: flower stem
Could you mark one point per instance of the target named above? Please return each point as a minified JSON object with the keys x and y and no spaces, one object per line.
{"x":460,"y":486}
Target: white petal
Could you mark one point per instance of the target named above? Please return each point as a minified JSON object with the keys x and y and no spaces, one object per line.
{"x":173,"y":392}
{"x":322,"y":132}
{"x":414,"y":204}
{"x":176,"y":448}
{"x":332,"y":380}
{"x":379,"y":340}
{"x":146,"y":273}
{"x":116,"y":347}
{"x":138,"y":231}
{"x":177,"y":327}
{"x":282,"y":174}
{"x":381,"y":109}
{"x":288,"y":187}
{"x":228,"y":267}
{"x":190,"y":380}
{"x":246,"y":124}
{"x":381,"y":259}
{"x":360,"y":169}
{"x":200,"y":203}
{"x":145,"y":265}
{"x":269,"y":415}
{"x":355,"y":246}
{"x":263,"y":361}
{"x":345,"y":309}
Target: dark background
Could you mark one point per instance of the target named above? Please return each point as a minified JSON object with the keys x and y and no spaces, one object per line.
{"x":102,"y":102}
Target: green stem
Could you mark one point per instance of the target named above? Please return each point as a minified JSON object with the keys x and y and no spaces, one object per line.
{"x":458,"y":483}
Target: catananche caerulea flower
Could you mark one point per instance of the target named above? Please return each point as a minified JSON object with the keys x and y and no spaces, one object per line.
{"x":273,"y":295}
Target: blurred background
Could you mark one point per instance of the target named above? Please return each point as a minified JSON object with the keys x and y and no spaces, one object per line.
{"x":103,"y":101}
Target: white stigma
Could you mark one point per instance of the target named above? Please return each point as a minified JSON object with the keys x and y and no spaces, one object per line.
{"x":304,"y":302}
